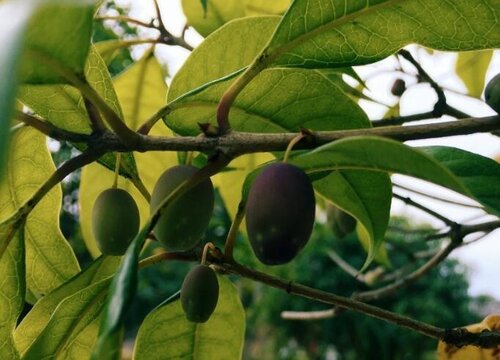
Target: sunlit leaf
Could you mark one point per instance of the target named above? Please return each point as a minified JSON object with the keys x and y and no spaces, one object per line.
{"x":12,"y":288}
{"x":37,"y":319}
{"x":471,"y":67}
{"x":167,"y":334}
{"x":323,"y":33}
{"x":51,"y":260}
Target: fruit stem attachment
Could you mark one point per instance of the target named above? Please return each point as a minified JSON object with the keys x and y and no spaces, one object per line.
{"x":208,"y":246}
{"x":117,"y":170}
{"x":291,"y":144}
{"x":233,"y":231}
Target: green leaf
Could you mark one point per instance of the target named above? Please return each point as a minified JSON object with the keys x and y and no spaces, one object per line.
{"x":63,"y":106}
{"x":167,"y":334}
{"x":265,"y":7}
{"x":255,"y":31}
{"x":277,"y":100}
{"x":471,"y":67}
{"x":12,"y":289}
{"x":141,"y":90}
{"x":479,"y":174}
{"x":380,"y":154}
{"x":216,"y":14}
{"x":72,"y":329}
{"x":365,"y":195}
{"x":38,"y":317}
{"x":14,"y":17}
{"x":51,"y":259}
{"x":324,"y":33}
{"x":122,"y":290}
{"x":61,"y":32}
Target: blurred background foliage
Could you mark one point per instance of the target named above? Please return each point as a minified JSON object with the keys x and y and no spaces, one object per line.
{"x":440,"y":298}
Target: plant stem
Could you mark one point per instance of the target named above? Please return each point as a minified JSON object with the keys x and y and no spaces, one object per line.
{"x":50,"y":130}
{"x":233,"y":231}
{"x":290,"y":146}
{"x":410,"y":202}
{"x":236,"y":87}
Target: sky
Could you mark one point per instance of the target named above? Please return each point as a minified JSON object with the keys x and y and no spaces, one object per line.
{"x":482,"y":257}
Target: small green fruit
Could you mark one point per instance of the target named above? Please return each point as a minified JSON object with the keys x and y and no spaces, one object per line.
{"x":492,"y":93}
{"x":183,"y":222}
{"x":340,"y":222}
{"x":280,"y":213}
{"x":115,"y":221}
{"x":199,"y":294}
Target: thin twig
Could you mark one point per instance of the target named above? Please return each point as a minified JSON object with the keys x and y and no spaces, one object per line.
{"x":127,"y":19}
{"x":438,"y":198}
{"x":429,"y":211}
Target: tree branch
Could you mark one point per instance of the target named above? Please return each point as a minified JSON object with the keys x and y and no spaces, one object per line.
{"x":50,"y":130}
{"x":431,"y":212}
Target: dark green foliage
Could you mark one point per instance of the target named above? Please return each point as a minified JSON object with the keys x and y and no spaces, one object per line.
{"x":199,"y":294}
{"x":280,"y":213}
{"x":115,"y":221}
{"x":492,"y":93}
{"x":340,"y":222}
{"x":398,"y":88}
{"x":182,"y":224}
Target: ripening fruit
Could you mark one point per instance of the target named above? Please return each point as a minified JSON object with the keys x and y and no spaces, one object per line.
{"x":115,"y":221}
{"x":398,"y":88}
{"x":199,"y":293}
{"x":183,"y":223}
{"x":492,"y":93}
{"x":280,"y":213}
{"x":340,"y":222}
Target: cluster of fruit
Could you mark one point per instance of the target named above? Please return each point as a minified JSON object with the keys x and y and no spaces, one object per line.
{"x":280,"y":215}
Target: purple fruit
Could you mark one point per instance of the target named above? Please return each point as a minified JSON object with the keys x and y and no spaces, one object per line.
{"x":280,"y":213}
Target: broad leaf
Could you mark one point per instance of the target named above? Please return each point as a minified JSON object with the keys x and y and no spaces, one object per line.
{"x":324,"y":33}
{"x":121,"y":293}
{"x":14,"y":16}
{"x":451,"y":168}
{"x":37,"y":319}
{"x":366,"y":195}
{"x":217,"y":13}
{"x":51,"y":260}
{"x":72,"y":329}
{"x":471,"y":67}
{"x":12,"y":289}
{"x":167,"y":334}
{"x":479,"y":174}
{"x":63,"y":106}
{"x":60,"y":32}
{"x":265,"y":7}
{"x":194,"y":73}
{"x":141,"y":90}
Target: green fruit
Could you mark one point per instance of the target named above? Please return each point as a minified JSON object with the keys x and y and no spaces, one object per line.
{"x":199,"y":293}
{"x":340,"y":222}
{"x":492,"y":93}
{"x":280,"y":213}
{"x":115,"y":221}
{"x":183,"y":223}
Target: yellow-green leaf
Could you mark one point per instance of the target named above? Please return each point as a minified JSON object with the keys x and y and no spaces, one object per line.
{"x":141,"y":90}
{"x":471,"y":67}
{"x":37,"y":319}
{"x":218,"y":12}
{"x":50,"y":259}
{"x":12,"y":288}
{"x":265,"y":7}
{"x":72,"y":329}
{"x":325,"y":33}
{"x":167,"y":334}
